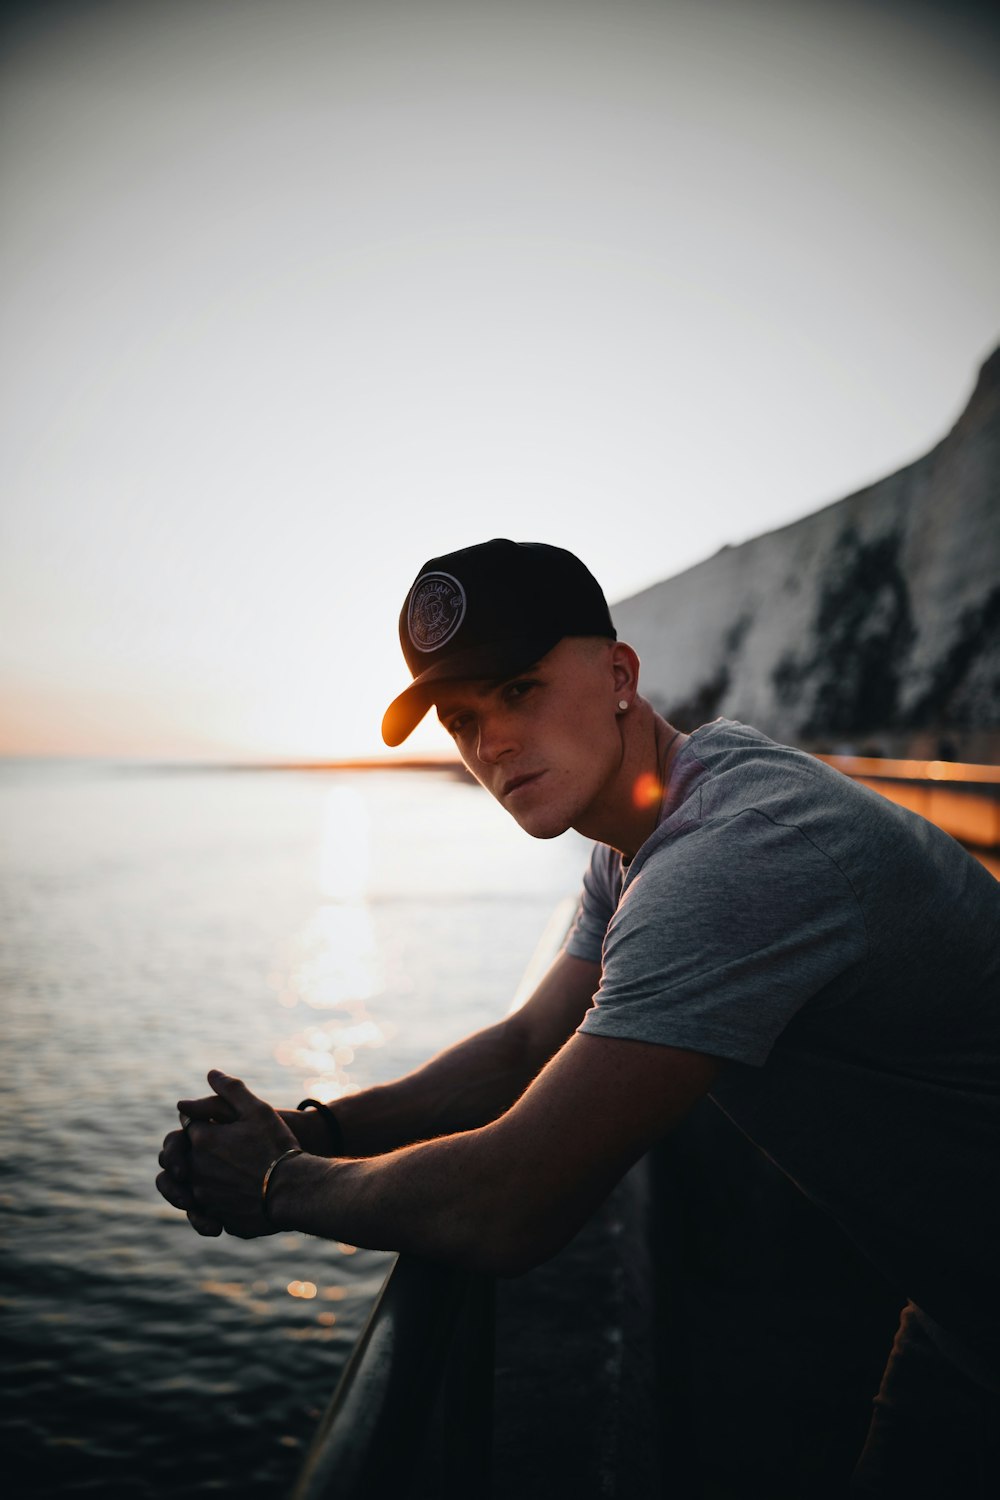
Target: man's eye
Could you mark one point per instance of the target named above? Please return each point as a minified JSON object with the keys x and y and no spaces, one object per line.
{"x":518,"y":689}
{"x":459,"y":725}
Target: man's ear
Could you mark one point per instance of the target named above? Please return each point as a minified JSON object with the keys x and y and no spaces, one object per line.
{"x":625,"y":666}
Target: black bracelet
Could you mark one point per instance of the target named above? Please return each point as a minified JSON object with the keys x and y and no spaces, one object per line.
{"x":330,"y":1119}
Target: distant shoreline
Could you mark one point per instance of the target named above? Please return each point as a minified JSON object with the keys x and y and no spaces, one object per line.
{"x":353,"y":763}
{"x":449,"y":764}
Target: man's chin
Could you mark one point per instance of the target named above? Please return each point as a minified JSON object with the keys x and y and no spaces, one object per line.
{"x":540,"y":823}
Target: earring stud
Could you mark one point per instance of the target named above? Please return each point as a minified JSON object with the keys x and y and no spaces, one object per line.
{"x":623,"y":704}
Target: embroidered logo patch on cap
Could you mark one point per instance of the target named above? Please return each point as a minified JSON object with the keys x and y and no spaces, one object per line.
{"x":437,"y":609}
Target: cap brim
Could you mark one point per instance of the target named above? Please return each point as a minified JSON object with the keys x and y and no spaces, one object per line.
{"x":405,"y":712}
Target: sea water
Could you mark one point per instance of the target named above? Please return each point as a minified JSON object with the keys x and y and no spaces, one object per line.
{"x":311,"y":933}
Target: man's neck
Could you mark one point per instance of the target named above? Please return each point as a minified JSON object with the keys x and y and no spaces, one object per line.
{"x":628,"y":811}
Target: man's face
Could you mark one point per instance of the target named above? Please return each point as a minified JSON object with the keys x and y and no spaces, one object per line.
{"x":545,"y":743}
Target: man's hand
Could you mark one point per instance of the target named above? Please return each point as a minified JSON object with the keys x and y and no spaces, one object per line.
{"x":174,"y":1182}
{"x":214,"y":1168}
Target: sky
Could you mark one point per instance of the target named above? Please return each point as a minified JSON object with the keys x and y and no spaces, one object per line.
{"x":295,"y":296}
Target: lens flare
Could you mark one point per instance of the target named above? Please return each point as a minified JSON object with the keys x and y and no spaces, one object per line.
{"x":648,"y":790}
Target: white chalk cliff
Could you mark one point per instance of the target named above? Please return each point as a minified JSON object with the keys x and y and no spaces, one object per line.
{"x":873,"y":623}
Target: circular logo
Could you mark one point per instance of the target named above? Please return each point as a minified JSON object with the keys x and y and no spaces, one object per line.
{"x":437,"y":609}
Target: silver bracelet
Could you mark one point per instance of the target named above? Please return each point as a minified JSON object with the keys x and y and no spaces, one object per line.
{"x":292,"y":1151}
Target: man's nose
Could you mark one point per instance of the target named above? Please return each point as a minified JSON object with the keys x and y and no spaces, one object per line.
{"x":496,"y":738}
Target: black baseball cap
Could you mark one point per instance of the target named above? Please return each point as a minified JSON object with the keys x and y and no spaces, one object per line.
{"x":489,"y":611}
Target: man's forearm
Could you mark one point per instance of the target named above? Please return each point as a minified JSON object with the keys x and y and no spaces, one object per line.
{"x":465,"y":1086}
{"x":477,"y":1080}
{"x":508,"y":1194}
{"x":460,"y":1199}
{"x":498,"y":1197}
{"x":422,"y":1199}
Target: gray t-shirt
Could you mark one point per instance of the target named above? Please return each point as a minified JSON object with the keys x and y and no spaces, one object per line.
{"x":842,"y":956}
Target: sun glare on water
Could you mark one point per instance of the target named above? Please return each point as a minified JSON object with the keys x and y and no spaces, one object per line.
{"x":335,"y":962}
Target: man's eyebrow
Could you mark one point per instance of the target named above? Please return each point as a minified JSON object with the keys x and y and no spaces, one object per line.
{"x":445,"y":707}
{"x":481,"y":687}
{"x":498,"y":682}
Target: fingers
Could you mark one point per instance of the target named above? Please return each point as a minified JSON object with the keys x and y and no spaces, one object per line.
{"x":230,"y":1102}
{"x":234,"y":1092}
{"x":175,"y":1157}
{"x":248,"y":1229}
{"x":177,"y":1194}
{"x":203,"y":1224}
{"x":214,"y":1174}
{"x":212,"y":1108}
{"x":182,"y":1196}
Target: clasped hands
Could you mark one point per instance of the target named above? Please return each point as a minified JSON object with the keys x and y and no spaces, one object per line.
{"x":213,"y":1168}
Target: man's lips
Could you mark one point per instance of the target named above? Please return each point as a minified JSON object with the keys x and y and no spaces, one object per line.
{"x":517,"y":782}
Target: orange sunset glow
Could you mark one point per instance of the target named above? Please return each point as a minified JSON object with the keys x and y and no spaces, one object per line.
{"x":296,"y":299}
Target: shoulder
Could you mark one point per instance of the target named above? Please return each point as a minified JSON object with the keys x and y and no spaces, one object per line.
{"x":733,"y":865}
{"x":729,"y":771}
{"x":724,"y":934}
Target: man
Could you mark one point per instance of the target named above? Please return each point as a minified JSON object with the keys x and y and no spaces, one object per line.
{"x":752,"y":924}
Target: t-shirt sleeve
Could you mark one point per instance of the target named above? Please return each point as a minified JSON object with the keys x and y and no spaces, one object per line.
{"x":597,"y":903}
{"x":722,"y":936}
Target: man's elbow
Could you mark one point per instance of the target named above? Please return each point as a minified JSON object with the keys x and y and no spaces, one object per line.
{"x":518,"y":1260}
{"x":516,"y":1245}
{"x":504,"y":1261}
